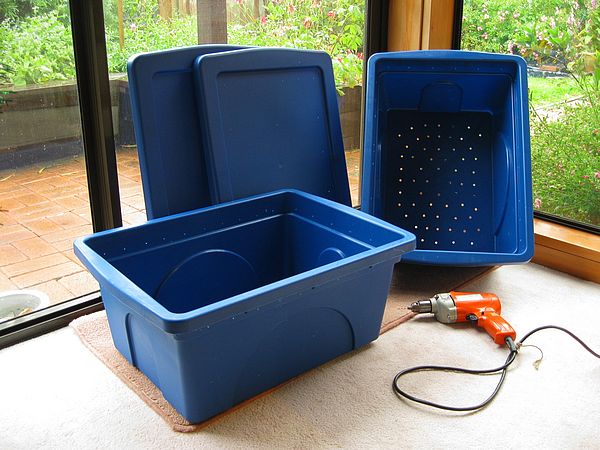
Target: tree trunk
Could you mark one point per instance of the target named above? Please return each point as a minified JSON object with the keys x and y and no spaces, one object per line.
{"x":165,"y":9}
{"x":212,"y":21}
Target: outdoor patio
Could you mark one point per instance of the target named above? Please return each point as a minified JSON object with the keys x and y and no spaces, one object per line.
{"x":44,"y":208}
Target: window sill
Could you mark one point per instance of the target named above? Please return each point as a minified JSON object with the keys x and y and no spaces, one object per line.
{"x":568,"y":250}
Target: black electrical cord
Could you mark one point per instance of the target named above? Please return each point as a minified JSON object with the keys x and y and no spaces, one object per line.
{"x":513,"y":351}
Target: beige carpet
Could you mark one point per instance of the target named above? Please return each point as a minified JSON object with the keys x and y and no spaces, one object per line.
{"x":58,"y":395}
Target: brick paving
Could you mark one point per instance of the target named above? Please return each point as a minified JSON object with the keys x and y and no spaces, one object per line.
{"x":44,"y":208}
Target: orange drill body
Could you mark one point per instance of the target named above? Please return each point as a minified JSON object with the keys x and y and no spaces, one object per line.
{"x":481,"y":308}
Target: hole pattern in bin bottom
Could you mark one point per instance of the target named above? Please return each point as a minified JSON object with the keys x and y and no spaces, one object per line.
{"x":439,"y":178}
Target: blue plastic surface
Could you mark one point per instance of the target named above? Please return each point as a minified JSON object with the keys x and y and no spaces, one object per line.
{"x":220,"y":304}
{"x":447,"y":154}
{"x":166,"y":124}
{"x":271,"y":121}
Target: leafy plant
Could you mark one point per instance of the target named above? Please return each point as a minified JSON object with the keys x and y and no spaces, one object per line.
{"x":37,"y":49}
{"x":146,"y":31}
{"x":333,"y":26}
{"x":566,"y":164}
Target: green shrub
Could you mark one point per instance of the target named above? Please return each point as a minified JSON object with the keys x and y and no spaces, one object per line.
{"x":146,"y":31}
{"x":37,"y":49}
{"x":566,"y":161}
{"x":335,"y":26}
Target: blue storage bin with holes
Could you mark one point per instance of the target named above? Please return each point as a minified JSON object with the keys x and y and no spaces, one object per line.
{"x":219,"y":304}
{"x":447,"y":154}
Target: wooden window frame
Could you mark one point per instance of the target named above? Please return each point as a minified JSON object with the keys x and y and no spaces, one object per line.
{"x":430,"y":24}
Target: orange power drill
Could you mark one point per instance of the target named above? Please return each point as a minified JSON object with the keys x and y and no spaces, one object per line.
{"x":480,"y":308}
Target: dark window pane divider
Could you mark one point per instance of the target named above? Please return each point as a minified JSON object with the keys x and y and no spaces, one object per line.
{"x":87,"y":23}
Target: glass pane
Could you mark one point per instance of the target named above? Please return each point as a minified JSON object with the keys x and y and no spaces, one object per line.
{"x":43,"y":192}
{"x":560,"y":40}
{"x":144,"y":25}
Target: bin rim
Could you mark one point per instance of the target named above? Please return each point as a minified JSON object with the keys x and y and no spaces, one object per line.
{"x":207,"y":315}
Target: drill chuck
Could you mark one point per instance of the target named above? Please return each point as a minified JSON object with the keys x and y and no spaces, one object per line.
{"x":422,"y":306}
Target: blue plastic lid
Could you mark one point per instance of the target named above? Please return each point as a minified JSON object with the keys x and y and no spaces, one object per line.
{"x":167,"y":129}
{"x":270,"y":120}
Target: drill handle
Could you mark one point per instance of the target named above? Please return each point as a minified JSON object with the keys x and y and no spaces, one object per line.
{"x":495,"y":325}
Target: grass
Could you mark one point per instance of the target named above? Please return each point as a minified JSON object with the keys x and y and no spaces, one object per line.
{"x":547,"y":91}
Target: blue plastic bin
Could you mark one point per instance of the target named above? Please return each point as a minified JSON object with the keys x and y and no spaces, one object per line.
{"x":166,"y":123}
{"x":270,"y":120}
{"x":447,"y":154}
{"x":219,"y":304}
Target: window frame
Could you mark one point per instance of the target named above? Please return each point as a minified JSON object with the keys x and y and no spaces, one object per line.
{"x":89,"y":42}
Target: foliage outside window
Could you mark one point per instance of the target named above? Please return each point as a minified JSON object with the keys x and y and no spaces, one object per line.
{"x":36,"y":47}
{"x":560,"y":39}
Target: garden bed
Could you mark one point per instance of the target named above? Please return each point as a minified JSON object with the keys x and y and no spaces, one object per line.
{"x":41,"y":123}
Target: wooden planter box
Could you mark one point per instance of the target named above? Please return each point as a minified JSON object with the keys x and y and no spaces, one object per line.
{"x":41,"y":123}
